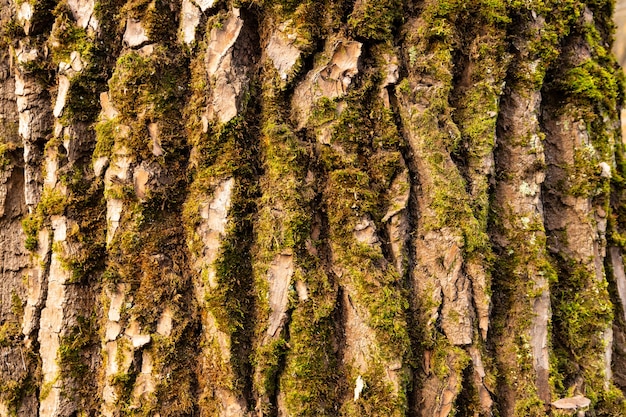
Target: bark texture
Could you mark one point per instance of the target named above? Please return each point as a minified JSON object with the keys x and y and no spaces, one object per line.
{"x":311,"y":208}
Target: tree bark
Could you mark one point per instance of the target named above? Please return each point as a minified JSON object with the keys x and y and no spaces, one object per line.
{"x":317,"y":208}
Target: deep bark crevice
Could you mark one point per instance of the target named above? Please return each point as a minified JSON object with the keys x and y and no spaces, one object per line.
{"x":354,"y":208}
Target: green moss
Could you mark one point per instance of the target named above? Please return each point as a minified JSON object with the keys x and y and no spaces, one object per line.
{"x":530,"y":407}
{"x":41,"y":18}
{"x":21,"y":384}
{"x":145,"y":90}
{"x":476,"y":104}
{"x":310,"y":372}
{"x":72,"y":346}
{"x":225,"y":301}
{"x":220,"y":152}
{"x":584,"y":177}
{"x":11,"y":31}
{"x":160,"y":24}
{"x":448,"y":359}
{"x":10,"y":332}
{"x":309,"y":20}
{"x":68,"y":37}
{"x":173,"y":394}
{"x":376,"y":19}
{"x":452,"y":205}
{"x":157,"y":18}
{"x":89,"y":261}
{"x":94,"y":55}
{"x":269,"y":359}
{"x":582,"y":310}
{"x":13,"y":392}
{"x":591,"y":82}
{"x":52,"y":202}
{"x":123,"y":383}
{"x":158,"y":77}
{"x":86,"y":236}
{"x":17,"y":306}
{"x":46,"y":389}
{"x":301,"y":361}
{"x":31,"y":226}
{"x":6,"y":147}
{"x":82,"y":99}
{"x":521,"y":274}
{"x":378,"y":398}
{"x":233,"y":264}
{"x":611,"y":402}
{"x":148,"y":251}
{"x":358,"y":167}
{"x":283,"y":221}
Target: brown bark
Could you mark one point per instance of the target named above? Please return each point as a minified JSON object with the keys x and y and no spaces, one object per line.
{"x":280,"y":208}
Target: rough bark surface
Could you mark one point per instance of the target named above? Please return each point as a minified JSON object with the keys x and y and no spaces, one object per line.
{"x":317,"y":208}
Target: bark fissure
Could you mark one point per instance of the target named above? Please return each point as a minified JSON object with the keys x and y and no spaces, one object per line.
{"x":299,"y":208}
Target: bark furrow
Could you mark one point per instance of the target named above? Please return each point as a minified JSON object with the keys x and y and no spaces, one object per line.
{"x":321,"y":208}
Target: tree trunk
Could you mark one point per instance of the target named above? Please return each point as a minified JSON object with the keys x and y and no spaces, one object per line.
{"x":317,"y":208}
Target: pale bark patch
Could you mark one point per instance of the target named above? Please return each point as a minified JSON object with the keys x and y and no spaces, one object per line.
{"x":397,"y":221}
{"x":282,"y":51}
{"x":141,"y":176}
{"x":109,"y":112}
{"x":53,"y":321}
{"x":221,"y":41}
{"x":135,"y":33}
{"x":63,"y":87}
{"x":572,"y":403}
{"x":164,"y":325}
{"x":190,"y":18}
{"x":205,"y":4}
{"x":82,"y":10}
{"x":279,"y":277}
{"x":360,"y":339}
{"x":620,"y":277}
{"x":330,"y":79}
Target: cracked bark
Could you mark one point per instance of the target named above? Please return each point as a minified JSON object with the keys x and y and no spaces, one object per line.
{"x":254,"y":208}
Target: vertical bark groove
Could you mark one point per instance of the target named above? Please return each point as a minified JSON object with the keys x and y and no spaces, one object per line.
{"x":281,"y":208}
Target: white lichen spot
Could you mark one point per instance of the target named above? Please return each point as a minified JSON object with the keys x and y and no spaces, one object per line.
{"x":301,"y":289}
{"x":535,"y":144}
{"x":525,"y":222}
{"x":359,"y":387}
{"x":527,"y":190}
{"x":25,"y":12}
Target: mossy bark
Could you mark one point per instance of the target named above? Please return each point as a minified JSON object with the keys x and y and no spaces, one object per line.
{"x":318,"y":208}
